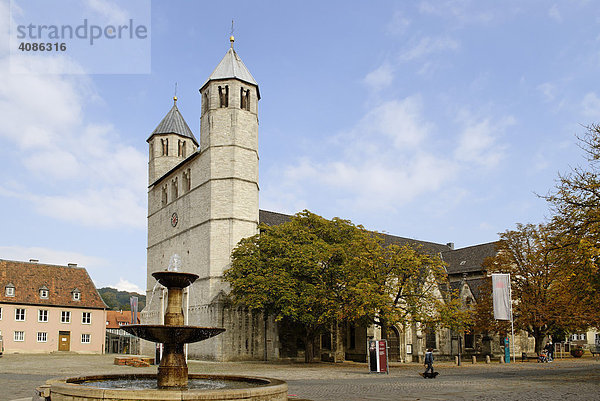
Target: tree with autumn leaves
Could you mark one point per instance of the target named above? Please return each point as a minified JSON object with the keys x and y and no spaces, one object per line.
{"x":554,"y":266}
{"x":317,"y":272}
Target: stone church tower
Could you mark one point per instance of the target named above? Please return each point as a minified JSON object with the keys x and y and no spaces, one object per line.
{"x":201,"y":202}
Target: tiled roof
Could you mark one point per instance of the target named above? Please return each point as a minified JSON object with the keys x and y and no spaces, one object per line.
{"x":274,"y":219}
{"x":174,"y":123}
{"x":114,"y":317}
{"x":468,"y":259}
{"x":232,"y":66}
{"x":475,"y":284}
{"x":28,"y":278}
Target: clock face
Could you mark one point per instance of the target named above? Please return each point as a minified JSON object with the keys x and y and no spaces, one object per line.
{"x":174,"y":219}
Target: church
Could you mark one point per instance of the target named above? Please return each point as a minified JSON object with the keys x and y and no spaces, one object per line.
{"x":203,"y":199}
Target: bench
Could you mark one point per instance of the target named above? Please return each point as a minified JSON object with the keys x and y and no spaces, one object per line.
{"x":526,"y":358}
{"x":595,"y":350}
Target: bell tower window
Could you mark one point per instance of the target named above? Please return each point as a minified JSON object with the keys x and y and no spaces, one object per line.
{"x":245,"y":99}
{"x":181,"y":148}
{"x":165,"y":146}
{"x":224,"y":96}
{"x":205,"y":104}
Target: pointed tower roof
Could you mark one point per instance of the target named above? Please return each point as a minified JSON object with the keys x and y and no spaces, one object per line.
{"x":232,"y":66}
{"x":173,"y":123}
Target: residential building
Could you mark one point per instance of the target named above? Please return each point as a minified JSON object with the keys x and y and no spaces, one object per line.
{"x":47,"y":308}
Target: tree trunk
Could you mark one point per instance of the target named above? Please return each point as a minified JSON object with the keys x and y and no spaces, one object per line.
{"x":539,"y":342}
{"x":309,"y":348}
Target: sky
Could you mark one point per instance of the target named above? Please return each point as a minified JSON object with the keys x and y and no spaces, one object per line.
{"x":436,"y":120}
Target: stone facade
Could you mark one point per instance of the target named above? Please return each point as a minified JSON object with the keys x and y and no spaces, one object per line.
{"x":200,"y":206}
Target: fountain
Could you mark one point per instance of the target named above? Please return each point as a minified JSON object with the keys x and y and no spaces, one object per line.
{"x":172,"y":381}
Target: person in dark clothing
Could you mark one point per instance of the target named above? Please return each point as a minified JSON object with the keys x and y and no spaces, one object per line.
{"x":428,"y":362}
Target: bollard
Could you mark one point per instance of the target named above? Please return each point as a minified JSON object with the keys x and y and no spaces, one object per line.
{"x":487,"y":359}
{"x":456,"y":360}
{"x":474,"y":359}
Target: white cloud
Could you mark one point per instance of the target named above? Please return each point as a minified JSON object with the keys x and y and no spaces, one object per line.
{"x":427,"y":46}
{"x":554,"y":13}
{"x":109,"y":10}
{"x":380,"y":77}
{"x":69,"y":168}
{"x":478,"y":142}
{"x":124,"y":285}
{"x":399,"y":24}
{"x":50,"y":256}
{"x":590,"y":105}
{"x":548,"y":91}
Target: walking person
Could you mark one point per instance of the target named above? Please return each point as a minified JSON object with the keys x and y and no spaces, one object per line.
{"x":429,"y":364}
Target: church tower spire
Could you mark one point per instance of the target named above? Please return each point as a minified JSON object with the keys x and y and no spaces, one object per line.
{"x":170,"y":142}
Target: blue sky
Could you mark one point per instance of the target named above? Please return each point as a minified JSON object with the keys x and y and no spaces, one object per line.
{"x":435,"y":120}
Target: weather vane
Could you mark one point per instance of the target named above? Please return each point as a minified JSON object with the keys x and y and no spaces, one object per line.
{"x":175,"y":94}
{"x":231,"y":38}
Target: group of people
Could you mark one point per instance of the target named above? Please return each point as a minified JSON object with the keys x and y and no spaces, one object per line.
{"x":547,"y":354}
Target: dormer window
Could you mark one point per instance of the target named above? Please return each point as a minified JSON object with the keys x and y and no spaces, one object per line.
{"x":9,"y":290}
{"x":44,"y":292}
{"x":76,"y":295}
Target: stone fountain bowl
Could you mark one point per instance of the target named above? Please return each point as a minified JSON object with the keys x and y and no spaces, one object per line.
{"x":171,"y":279}
{"x":97,"y":387}
{"x":159,"y":333}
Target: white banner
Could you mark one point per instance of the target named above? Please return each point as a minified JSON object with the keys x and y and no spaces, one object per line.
{"x":501,"y":296}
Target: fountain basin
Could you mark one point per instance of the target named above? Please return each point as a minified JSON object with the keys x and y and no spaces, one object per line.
{"x":159,"y":333}
{"x":246,"y":388}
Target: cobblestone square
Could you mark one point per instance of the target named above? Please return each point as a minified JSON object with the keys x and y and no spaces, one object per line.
{"x":568,"y":379}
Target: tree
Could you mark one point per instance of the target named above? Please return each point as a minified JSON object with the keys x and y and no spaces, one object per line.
{"x":544,"y":298}
{"x":317,"y":272}
{"x":575,"y":203}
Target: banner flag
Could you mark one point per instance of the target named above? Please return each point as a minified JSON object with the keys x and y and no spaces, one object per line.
{"x":133,"y":301}
{"x":501,"y":296}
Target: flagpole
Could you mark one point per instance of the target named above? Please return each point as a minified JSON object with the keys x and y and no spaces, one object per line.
{"x":512,"y":325}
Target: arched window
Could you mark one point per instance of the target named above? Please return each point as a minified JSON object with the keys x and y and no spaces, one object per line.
{"x":245,"y":99}
{"x":164,"y":195}
{"x":181,"y":148}
{"x":205,"y":104}
{"x":224,"y":96}
{"x":165,"y":146}
{"x":174,"y":188}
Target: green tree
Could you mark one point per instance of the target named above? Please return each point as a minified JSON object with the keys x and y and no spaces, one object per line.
{"x":317,"y":272}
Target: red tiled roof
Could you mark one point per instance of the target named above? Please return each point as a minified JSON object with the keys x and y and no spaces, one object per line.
{"x":60,"y":281}
{"x":114,"y":317}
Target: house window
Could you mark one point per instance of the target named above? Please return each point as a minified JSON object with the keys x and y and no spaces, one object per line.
{"x":20,"y":315}
{"x":86,"y":318}
{"x":181,"y":148}
{"x":165,"y":146}
{"x":42,"y":315}
{"x":469,"y":339}
{"x":85,"y":338}
{"x":76,"y":295}
{"x":65,"y":317}
{"x":42,"y":337}
{"x":43,"y":293}
{"x":19,"y":336}
{"x":10,"y":290}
